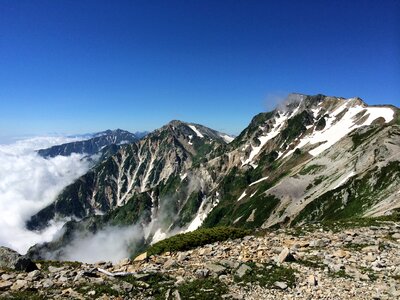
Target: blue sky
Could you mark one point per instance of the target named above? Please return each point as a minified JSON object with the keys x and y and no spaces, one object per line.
{"x":84,"y":66}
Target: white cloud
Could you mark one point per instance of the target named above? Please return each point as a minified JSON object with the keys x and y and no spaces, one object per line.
{"x":28,"y":183}
{"x":109,"y":244}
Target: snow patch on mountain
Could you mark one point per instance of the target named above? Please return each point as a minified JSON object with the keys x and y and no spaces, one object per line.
{"x":241,"y":196}
{"x":227,"y":138}
{"x":258,"y":181}
{"x":279,"y":121}
{"x":198,"y":133}
{"x":344,"y":180}
{"x":336,"y":130}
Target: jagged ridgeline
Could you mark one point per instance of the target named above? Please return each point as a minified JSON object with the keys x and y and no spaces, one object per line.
{"x":313,"y":158}
{"x":105,"y":143}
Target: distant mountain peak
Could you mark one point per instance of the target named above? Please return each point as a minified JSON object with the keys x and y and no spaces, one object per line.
{"x":100,"y":141}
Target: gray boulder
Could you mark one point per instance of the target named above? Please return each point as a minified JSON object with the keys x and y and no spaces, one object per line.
{"x":13,"y":260}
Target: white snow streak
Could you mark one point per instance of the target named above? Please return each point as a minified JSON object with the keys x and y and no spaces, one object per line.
{"x":227,"y":138}
{"x":196,"y":131}
{"x":332,"y":133}
{"x":264,"y":139}
{"x":258,"y":181}
{"x":242,"y":196}
{"x":344,"y":180}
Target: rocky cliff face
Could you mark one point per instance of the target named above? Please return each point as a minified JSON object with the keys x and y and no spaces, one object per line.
{"x":313,"y":158}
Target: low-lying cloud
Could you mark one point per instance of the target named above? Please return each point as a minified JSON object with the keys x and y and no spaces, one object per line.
{"x":28,"y":183}
{"x":109,"y":244}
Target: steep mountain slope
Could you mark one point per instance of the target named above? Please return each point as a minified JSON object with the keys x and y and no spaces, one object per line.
{"x":312,"y":158}
{"x":99,"y":142}
{"x":161,"y":157}
{"x":280,"y":162}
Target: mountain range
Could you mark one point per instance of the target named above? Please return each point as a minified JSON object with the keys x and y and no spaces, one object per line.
{"x":313,"y":158}
{"x":95,"y":143}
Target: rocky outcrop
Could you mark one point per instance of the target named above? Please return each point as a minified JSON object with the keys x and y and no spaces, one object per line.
{"x":10,"y":259}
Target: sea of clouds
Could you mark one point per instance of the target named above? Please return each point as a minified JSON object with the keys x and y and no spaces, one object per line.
{"x":28,"y":183}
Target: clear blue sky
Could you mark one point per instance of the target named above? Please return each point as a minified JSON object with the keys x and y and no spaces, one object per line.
{"x":83,"y":66}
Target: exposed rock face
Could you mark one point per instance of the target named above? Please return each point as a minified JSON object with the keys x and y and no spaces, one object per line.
{"x":13,"y":260}
{"x":161,"y":158}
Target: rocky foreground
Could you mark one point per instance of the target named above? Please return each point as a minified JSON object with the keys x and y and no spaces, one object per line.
{"x":302,"y":263}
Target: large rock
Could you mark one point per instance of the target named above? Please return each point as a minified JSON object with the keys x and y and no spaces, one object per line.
{"x":216,"y":269}
{"x":13,"y":260}
{"x":141,"y":257}
{"x":285,"y":255}
{"x":243,"y":269}
{"x":4,"y":285}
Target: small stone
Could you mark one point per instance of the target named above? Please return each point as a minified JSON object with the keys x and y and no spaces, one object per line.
{"x":317,"y":243}
{"x":170,"y":263}
{"x":373,"y":249}
{"x":127,"y":286}
{"x":370,"y":257}
{"x":285,"y":255}
{"x":141,"y":257}
{"x":124,"y":262}
{"x":4,"y":285}
{"x":47,"y":283}
{"x":341,"y":253}
{"x":7,"y":276}
{"x":143,"y":284}
{"x":176,"y":295}
{"x":202,"y":273}
{"x":33,"y":275}
{"x":396,"y":236}
{"x":55,"y":269}
{"x":229,"y":263}
{"x":19,"y":285}
{"x":179,"y":280}
{"x":91,"y":293}
{"x":312,"y":281}
{"x":243,"y":269}
{"x":117,"y":288}
{"x":280,"y":284}
{"x":182,"y":256}
{"x":214,"y":268}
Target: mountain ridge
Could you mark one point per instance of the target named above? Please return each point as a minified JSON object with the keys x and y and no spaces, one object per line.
{"x":97,"y":143}
{"x":208,"y":182}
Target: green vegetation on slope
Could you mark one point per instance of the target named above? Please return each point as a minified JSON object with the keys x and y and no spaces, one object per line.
{"x":353,"y":198}
{"x":197,"y":238}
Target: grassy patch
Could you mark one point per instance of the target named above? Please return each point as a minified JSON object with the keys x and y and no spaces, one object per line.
{"x":312,"y":262}
{"x":355,"y":247}
{"x":267,"y":274}
{"x":197,"y":238}
{"x":311,"y":169}
{"x":203,"y":289}
{"x":100,"y":290}
{"x":340,"y":225}
{"x":158,"y":285}
{"x":45,"y":264}
{"x":352,"y":199}
{"x":23,"y":295}
{"x":371,"y":274}
{"x":361,"y":137}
